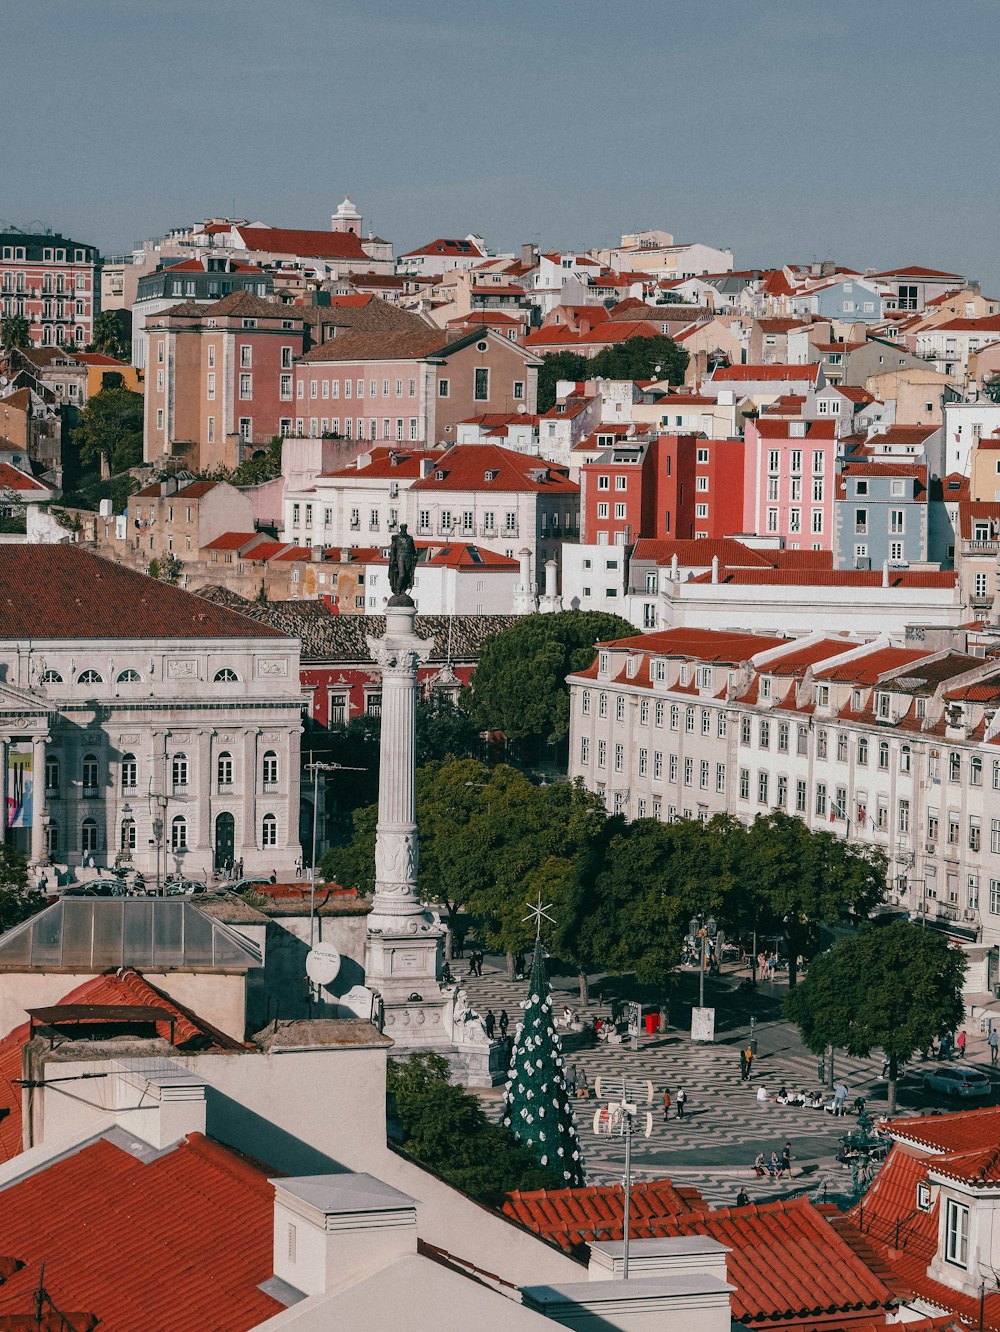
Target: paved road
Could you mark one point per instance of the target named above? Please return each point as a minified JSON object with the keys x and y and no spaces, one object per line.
{"x":724,"y":1126}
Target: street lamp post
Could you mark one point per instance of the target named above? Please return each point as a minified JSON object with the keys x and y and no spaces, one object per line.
{"x":703,"y":930}
{"x":316,"y":767}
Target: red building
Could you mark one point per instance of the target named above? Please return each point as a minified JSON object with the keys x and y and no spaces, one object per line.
{"x":52,"y":282}
{"x":618,"y":494}
{"x":700,"y":487}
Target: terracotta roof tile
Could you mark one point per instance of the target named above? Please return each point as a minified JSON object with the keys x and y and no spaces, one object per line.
{"x":869,"y":667}
{"x":721,"y":645}
{"x":464,"y":467}
{"x":196,"y":1224}
{"x":574,"y":1217}
{"x":780,"y":373}
{"x":307,"y":244}
{"x":78,"y":595}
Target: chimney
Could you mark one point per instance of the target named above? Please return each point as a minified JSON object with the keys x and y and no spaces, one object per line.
{"x":345,"y":554}
{"x":675,"y":572}
{"x":551,"y":602}
{"x":550,"y":578}
{"x":525,"y":601}
{"x":328,"y":1228}
{"x":157,"y":1100}
{"x":529,"y":255}
{"x":715,"y":568}
{"x":317,"y":555}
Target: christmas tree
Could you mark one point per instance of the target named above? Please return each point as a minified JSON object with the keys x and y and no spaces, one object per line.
{"x":537,"y":1107}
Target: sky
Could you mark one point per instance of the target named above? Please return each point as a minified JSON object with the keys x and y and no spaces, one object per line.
{"x":856,"y":130}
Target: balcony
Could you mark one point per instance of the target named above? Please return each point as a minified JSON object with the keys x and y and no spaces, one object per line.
{"x":980,"y":547}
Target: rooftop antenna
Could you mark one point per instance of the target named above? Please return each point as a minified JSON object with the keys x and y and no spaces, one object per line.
{"x":617,"y":1119}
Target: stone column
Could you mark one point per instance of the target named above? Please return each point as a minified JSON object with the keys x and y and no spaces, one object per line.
{"x":38,"y":851}
{"x":398,"y":653}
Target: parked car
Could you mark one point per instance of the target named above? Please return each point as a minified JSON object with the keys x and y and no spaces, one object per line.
{"x":958,"y":1082}
{"x":245,"y":885}
{"x":185,"y":887}
{"x":97,"y":888}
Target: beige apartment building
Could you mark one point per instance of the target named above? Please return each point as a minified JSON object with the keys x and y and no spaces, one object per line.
{"x":894,"y":746}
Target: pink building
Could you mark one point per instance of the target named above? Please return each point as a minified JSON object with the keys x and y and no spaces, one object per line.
{"x":790,"y":481}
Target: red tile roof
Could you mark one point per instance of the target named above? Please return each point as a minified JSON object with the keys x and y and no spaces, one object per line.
{"x":461,"y":556}
{"x":720,"y":645}
{"x":461,"y":249}
{"x":12,"y":479}
{"x":914,"y":270}
{"x":870,"y":666}
{"x":781,"y":373}
{"x":407,"y":463}
{"x":905,"y":434}
{"x":777,"y":429}
{"x":832,"y":578}
{"x":183,"y":1241}
{"x":124,"y":988}
{"x":77,"y":595}
{"x":201,"y":266}
{"x":196,"y":490}
{"x":229,"y":541}
{"x":698,"y":552}
{"x":464,"y":467}
{"x":307,"y":244}
{"x":966,"y":1130}
{"x":573,"y":1217}
{"x":394,"y":344}
{"x":796,"y":661}
{"x":987,"y":324}
{"x":970,"y":510}
{"x":98,"y":358}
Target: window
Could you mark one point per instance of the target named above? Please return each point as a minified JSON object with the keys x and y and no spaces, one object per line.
{"x":975,"y":770}
{"x":704,"y":772}
{"x":224,"y":771}
{"x":658,"y":714}
{"x":128,"y":677}
{"x":269,"y":831}
{"x":905,"y":758}
{"x":226,"y":676}
{"x":821,"y":743}
{"x":179,"y":772}
{"x":90,"y":677}
{"x":975,"y":833}
{"x":658,"y":765}
{"x":673,"y":767}
{"x":620,"y":708}
{"x":954,"y":766}
{"x":51,"y":677}
{"x":883,"y":755}
{"x":89,"y":774}
{"x":270,"y":770}
{"x":689,"y":720}
{"x":130,"y":773}
{"x":246,"y":387}
{"x":781,"y":798}
{"x":619,"y":758}
{"x":51,"y":773}
{"x":783,"y":737}
{"x":744,"y":783}
{"x":720,"y":778}
{"x":745,"y":727}
{"x":602,"y":754}
{"x":585,"y":702}
{"x":841,"y":747}
{"x":373,"y":704}
{"x":584,"y":749}
{"x":643,"y":762}
{"x":863,"y":751}
{"x":764,"y":736}
{"x":956,"y":1233}
{"x":903,"y":824}
{"x":800,"y":797}
{"x":88,"y":835}
{"x":178,"y":833}
{"x":762,"y":788}
{"x":821,"y":798}
{"x":127,"y":839}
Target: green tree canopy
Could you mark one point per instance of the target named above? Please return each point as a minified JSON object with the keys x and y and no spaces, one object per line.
{"x":17,"y":900}
{"x":520,"y":686}
{"x":15,"y":331}
{"x":794,"y":880}
{"x":556,"y":366}
{"x":445,"y":1128}
{"x":109,"y":337}
{"x":893,"y":988}
{"x":110,"y":426}
{"x":640,"y":358}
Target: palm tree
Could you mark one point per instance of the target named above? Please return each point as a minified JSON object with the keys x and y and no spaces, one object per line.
{"x":108,"y":335}
{"x":15,"y":332}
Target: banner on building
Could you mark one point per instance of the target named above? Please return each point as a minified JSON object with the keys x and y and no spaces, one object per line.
{"x":20,"y":787}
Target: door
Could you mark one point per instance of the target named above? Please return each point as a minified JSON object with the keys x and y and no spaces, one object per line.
{"x":225,"y":839}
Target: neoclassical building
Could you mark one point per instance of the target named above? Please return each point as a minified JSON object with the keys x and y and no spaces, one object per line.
{"x":140,"y":722}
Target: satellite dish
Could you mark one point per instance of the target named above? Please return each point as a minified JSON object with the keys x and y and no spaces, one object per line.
{"x":322,"y":963}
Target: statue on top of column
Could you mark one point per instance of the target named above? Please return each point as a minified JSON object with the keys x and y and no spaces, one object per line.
{"x":402,"y":566}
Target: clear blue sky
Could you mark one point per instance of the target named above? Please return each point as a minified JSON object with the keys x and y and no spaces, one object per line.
{"x":862,"y":130}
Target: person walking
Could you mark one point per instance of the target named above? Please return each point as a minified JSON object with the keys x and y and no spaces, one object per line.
{"x":504,"y":1022}
{"x":748,"y":1057}
{"x":666,"y":1104}
{"x":786,"y":1159}
{"x":992,"y":1040}
{"x":960,"y":1040}
{"x":490,"y":1023}
{"x":681,"y":1102}
{"x":743,"y":1065}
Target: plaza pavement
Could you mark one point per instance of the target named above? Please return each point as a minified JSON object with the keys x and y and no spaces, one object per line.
{"x":723,"y":1127}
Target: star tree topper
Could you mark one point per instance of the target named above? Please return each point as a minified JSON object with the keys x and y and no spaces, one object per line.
{"x":537,"y":910}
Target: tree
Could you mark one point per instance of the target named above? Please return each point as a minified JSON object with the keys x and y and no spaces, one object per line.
{"x":167,"y":569}
{"x":536,"y":1106}
{"x":556,"y":366}
{"x":520,"y":686}
{"x":893,"y":988}
{"x":794,"y":880}
{"x":108,"y":337}
{"x":443,"y":729}
{"x":17,"y":900}
{"x":445,"y":1128}
{"x":110,"y":427}
{"x":15,"y":331}
{"x":640,"y":358}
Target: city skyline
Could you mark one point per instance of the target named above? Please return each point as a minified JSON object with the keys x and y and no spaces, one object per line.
{"x":788,"y":135}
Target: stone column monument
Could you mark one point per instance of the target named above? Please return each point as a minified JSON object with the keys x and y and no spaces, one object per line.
{"x":403,"y":952}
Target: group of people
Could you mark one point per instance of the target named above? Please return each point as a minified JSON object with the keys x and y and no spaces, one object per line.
{"x":764,"y":965}
{"x":492,"y":1023}
{"x":476,"y":961}
{"x":680,"y":1102}
{"x":775,"y":1167}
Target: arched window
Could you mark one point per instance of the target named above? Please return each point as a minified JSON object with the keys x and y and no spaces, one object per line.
{"x":88,"y":835}
{"x":269,"y":831}
{"x":90,"y":677}
{"x":51,"y":677}
{"x":226,"y":676}
{"x":179,"y":772}
{"x":129,"y":677}
{"x":52,"y":839}
{"x":89,"y":773}
{"x":904,"y":758}
{"x":130,"y":773}
{"x":128,"y":835}
{"x":224,"y":769}
{"x":51,"y":773}
{"x":178,"y":833}
{"x":883,"y":754}
{"x":270,"y":772}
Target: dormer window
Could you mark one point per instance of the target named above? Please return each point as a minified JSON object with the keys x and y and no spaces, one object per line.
{"x":882,"y":706}
{"x":684,"y":673}
{"x":487,"y":476}
{"x":923,"y":1196}
{"x":660,"y":672}
{"x":856,"y":700}
{"x":439,"y":475}
{"x":765,"y":687}
{"x":603,"y":663}
{"x":822,"y":695}
{"x":704,"y":677}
